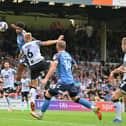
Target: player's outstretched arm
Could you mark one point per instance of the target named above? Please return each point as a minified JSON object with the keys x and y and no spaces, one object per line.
{"x":117,"y":70}
{"x":51,"y":42}
{"x":13,"y":26}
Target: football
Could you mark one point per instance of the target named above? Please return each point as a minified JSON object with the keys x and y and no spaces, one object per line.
{"x":3,"y":26}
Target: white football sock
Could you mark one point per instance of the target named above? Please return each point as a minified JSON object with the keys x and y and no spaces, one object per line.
{"x":8,"y":102}
{"x":33,"y":95}
{"x":22,"y":105}
{"x":117,"y":106}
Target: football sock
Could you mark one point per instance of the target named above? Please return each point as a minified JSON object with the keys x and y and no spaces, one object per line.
{"x":23,"y":103}
{"x":45,"y":105}
{"x":84,"y":102}
{"x":33,"y":94}
{"x":8,"y":100}
{"x":117,"y":106}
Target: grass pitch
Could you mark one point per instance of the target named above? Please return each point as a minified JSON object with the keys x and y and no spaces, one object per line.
{"x":58,"y":118}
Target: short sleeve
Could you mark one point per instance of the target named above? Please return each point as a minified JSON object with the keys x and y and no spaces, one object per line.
{"x":56,"y":57}
{"x":39,"y":43}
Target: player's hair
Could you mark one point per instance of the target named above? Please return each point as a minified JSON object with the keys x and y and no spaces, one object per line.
{"x":124,"y":40}
{"x":6,"y":61}
{"x":28,"y":36}
{"x":61,"y":44}
{"x":20,"y":24}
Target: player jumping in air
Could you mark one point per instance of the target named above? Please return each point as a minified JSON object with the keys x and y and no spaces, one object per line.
{"x":19,"y":27}
{"x":36,"y":61}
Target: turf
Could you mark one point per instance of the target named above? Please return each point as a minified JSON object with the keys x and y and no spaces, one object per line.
{"x":58,"y":118}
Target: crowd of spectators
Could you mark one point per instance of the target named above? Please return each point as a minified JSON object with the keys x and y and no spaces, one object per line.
{"x":83,"y":42}
{"x":90,"y":78}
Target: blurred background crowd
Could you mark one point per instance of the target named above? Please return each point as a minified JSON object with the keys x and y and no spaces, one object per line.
{"x":83,"y":42}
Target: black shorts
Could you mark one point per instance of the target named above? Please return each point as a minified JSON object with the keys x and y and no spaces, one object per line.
{"x":9,"y":90}
{"x":24,"y":61}
{"x":25,"y":94}
{"x":37,"y":68}
{"x":122,"y":86}
{"x":1,"y":91}
{"x":64,"y":87}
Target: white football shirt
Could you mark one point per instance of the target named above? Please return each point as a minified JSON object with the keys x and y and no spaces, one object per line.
{"x":32,"y":52}
{"x":8,"y":77}
{"x":25,"y":85}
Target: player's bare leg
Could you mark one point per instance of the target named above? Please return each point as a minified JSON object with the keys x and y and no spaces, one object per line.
{"x":21,"y":68}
